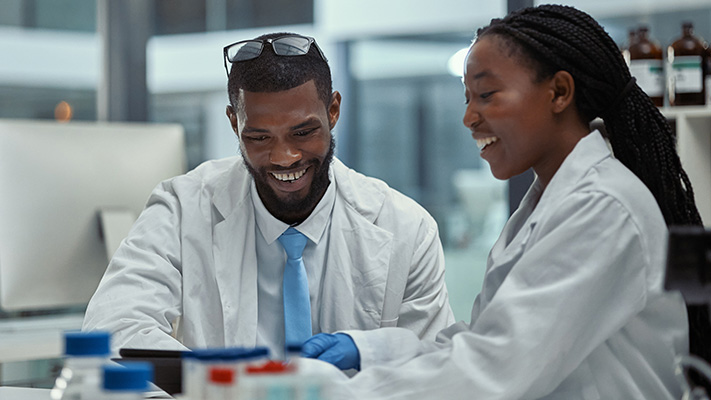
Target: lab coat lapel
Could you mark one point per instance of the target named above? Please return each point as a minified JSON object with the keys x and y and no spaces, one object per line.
{"x":358,"y":259}
{"x":511,"y":243}
{"x":356,"y":272}
{"x":517,"y":232}
{"x":236,"y":259}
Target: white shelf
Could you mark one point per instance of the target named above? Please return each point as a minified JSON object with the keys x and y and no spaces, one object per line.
{"x":687,"y":112}
{"x":693,"y":132}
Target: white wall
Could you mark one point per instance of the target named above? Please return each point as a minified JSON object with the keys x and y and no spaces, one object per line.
{"x":346,"y":19}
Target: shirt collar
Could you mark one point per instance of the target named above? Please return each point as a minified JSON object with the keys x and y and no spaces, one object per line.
{"x":313,"y":227}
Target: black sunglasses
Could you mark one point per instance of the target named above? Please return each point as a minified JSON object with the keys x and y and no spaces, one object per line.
{"x":287,"y":45}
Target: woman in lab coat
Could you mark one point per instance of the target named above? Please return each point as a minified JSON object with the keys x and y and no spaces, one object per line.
{"x":572,"y":305}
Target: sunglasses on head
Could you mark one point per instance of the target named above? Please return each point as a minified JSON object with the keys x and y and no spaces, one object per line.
{"x":287,"y":46}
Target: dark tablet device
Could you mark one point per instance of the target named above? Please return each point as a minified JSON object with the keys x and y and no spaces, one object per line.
{"x":167,"y":366}
{"x":689,"y":263}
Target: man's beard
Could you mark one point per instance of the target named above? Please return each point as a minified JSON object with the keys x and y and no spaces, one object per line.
{"x":290,"y":208}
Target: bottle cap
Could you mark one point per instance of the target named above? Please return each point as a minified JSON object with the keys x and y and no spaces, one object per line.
{"x":270,"y":367}
{"x":224,"y":376}
{"x":85,"y":344}
{"x":257,"y":352}
{"x":294,"y":348}
{"x":227,"y":354}
{"x":130,"y":376}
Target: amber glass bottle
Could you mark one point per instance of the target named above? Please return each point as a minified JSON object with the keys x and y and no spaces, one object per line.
{"x":707,"y":74}
{"x":646,"y":65}
{"x":625,"y":48}
{"x":686,"y":56}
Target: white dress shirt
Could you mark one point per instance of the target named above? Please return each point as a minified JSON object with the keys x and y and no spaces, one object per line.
{"x":271,"y":259}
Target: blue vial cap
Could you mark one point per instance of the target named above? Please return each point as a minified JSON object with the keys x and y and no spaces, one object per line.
{"x":202,"y":354}
{"x":293,"y":348}
{"x":130,"y":376}
{"x":232,"y":353}
{"x":256,"y":352}
{"x":227,"y":354}
{"x":83,"y":344}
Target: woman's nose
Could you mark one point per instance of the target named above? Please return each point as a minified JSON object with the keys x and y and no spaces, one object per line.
{"x":472,"y":118}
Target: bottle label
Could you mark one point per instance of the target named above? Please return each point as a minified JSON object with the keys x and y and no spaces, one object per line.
{"x":688,"y":76}
{"x":649,"y":75}
{"x":708,"y":90}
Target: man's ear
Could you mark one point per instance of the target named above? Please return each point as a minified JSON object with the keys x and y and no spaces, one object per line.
{"x":334,"y":109}
{"x":563,"y":86}
{"x":232,"y":116}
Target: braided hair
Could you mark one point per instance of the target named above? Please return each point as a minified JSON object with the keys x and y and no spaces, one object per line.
{"x":550,"y":38}
{"x":555,"y":37}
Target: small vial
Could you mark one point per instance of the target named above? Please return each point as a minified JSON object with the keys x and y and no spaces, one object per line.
{"x":197,"y":363}
{"x":221,"y":384}
{"x":127,"y":381}
{"x":270,"y":380}
{"x":195,"y":372}
{"x":85,"y":353}
{"x":293,"y":355}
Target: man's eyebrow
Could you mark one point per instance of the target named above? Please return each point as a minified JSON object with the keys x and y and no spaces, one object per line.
{"x":310,"y":121}
{"x":249,"y":129}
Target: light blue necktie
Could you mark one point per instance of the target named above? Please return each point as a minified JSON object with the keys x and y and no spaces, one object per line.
{"x":297,"y":307}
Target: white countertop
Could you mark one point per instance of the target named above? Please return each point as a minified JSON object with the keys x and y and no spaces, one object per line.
{"x":35,"y":338}
{"x":17,"y":393}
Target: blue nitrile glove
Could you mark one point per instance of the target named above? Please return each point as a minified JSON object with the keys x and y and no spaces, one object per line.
{"x":338,"y":349}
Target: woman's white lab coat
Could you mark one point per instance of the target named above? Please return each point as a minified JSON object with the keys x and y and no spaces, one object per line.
{"x":192,"y":254}
{"x":572,"y":305}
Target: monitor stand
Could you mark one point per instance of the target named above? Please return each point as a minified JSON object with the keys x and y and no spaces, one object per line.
{"x":115,"y":224}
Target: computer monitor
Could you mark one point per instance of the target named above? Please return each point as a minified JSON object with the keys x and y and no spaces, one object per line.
{"x":68,"y":194}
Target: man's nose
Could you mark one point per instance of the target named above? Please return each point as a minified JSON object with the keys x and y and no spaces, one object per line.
{"x":284,"y":154}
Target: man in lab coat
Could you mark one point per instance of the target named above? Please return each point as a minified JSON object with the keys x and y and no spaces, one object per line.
{"x":206,"y":252}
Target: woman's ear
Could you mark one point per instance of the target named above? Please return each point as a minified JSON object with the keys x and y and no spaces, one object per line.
{"x":563,"y":86}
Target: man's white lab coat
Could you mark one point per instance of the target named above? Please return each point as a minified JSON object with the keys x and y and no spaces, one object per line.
{"x":192,"y":254}
{"x":572,"y":305}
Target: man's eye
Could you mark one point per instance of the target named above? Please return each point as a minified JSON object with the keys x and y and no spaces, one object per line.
{"x":486,"y":95}
{"x":256,"y":138}
{"x":305,"y":132}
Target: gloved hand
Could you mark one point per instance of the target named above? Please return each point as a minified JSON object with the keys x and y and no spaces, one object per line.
{"x":338,"y":349}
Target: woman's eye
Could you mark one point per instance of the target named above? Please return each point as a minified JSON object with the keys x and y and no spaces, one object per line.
{"x":486,"y":95}
{"x":256,"y":138}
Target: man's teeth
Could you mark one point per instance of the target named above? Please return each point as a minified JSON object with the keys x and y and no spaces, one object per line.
{"x":290,"y":176}
{"x":481,"y":143}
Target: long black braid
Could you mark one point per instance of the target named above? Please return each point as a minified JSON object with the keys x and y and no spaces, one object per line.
{"x":554,"y":37}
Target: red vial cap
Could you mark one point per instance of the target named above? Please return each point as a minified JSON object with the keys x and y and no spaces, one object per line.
{"x":224,"y":376}
{"x":269,"y":367}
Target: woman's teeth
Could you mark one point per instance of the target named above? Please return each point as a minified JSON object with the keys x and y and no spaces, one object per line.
{"x":290,"y":176}
{"x":481,"y":143}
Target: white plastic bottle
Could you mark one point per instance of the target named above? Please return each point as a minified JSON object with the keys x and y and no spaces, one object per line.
{"x":221,"y":384}
{"x":127,"y":381}
{"x":85,"y":354}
